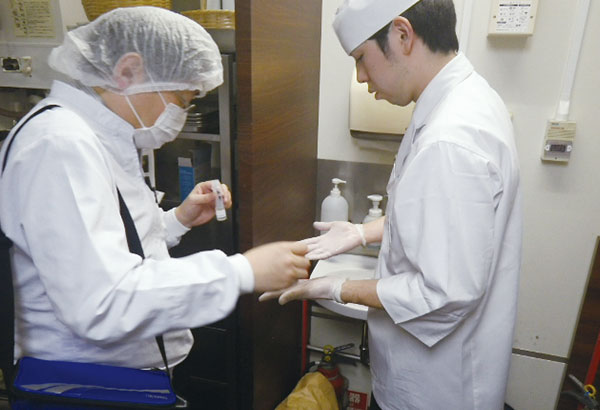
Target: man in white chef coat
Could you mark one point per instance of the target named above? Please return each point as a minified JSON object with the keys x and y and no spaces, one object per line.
{"x":80,"y":293}
{"x":443,"y":306}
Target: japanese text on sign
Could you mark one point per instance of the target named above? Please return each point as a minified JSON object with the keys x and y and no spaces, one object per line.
{"x":32,"y":18}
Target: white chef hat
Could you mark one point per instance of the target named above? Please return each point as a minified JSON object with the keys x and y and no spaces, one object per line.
{"x":178,"y":54}
{"x":357,"y":20}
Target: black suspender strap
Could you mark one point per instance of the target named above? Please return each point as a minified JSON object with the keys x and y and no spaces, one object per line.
{"x":133,"y":240}
{"x":135,"y":246}
{"x":41,"y":110}
{"x":7,"y":311}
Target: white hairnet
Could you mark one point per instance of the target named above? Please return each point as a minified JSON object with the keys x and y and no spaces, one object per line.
{"x":178,"y":54}
{"x":357,"y":20}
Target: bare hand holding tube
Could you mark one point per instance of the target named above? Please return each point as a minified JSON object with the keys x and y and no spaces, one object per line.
{"x":199,"y":206}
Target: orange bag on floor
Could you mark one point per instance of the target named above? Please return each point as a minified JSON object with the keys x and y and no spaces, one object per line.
{"x":314,"y":392}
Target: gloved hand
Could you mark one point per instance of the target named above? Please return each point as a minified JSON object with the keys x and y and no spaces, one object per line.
{"x":340,"y":237}
{"x":328,"y":287}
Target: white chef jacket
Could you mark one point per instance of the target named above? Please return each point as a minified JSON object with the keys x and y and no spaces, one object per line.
{"x":451,"y":252}
{"x":80,"y":295}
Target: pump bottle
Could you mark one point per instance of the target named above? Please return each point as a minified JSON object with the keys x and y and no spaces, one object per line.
{"x":374,"y":213}
{"x":334,"y":207}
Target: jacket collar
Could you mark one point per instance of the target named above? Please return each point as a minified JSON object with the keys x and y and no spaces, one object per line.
{"x":453,"y":73}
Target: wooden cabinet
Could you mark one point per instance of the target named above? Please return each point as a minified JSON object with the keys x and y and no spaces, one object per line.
{"x":278,"y":55}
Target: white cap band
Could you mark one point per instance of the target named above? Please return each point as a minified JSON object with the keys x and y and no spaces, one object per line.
{"x":357,"y":20}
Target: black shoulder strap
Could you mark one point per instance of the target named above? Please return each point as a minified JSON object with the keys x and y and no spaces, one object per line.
{"x":7,"y":311}
{"x":133,"y":239}
{"x":41,"y":110}
{"x":135,"y":246}
{"x":7,"y":306}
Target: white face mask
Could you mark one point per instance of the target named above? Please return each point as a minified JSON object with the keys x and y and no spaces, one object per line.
{"x":165,"y":129}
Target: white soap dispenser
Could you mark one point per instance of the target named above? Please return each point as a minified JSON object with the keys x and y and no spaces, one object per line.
{"x":375,"y":212}
{"x":334,"y":207}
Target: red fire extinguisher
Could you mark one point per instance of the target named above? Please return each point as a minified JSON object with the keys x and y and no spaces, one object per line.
{"x":330,"y":369}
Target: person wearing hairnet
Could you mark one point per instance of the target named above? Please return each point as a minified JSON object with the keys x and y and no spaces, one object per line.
{"x":443,"y":304}
{"x":80,"y":294}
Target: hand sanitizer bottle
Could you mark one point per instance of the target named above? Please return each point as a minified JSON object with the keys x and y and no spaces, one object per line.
{"x":334,"y":207}
{"x":375,"y":212}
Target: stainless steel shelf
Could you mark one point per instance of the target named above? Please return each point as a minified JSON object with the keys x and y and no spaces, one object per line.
{"x":226,"y":120}
{"x":225,"y":39}
{"x":200,"y":136}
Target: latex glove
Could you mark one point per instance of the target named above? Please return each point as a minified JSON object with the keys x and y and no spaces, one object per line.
{"x":199,"y":206}
{"x":328,"y":287}
{"x":340,"y":237}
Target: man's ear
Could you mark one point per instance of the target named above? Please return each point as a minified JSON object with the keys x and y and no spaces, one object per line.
{"x":129,"y":70}
{"x":402,"y":32}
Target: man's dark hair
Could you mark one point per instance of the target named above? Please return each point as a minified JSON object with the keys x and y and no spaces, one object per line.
{"x":434,"y":21}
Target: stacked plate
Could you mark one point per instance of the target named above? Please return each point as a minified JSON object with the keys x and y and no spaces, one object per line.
{"x":202,"y":119}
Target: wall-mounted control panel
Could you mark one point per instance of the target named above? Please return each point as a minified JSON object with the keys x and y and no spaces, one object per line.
{"x":558,"y":141}
{"x":16,"y":65}
{"x":513,"y":17}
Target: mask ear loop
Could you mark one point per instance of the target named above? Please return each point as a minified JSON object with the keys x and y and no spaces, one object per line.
{"x":137,"y":116}
{"x":164,"y":101}
{"x":162,"y":98}
{"x":134,"y":111}
{"x":159,"y":93}
{"x":186,"y":109}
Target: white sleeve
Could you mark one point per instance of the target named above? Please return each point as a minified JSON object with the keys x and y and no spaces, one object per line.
{"x":175,"y":229}
{"x":245,"y":271}
{"x":442,"y":222}
{"x":75,"y":236}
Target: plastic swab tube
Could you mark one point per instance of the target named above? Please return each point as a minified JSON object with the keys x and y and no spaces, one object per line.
{"x":220,"y":201}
